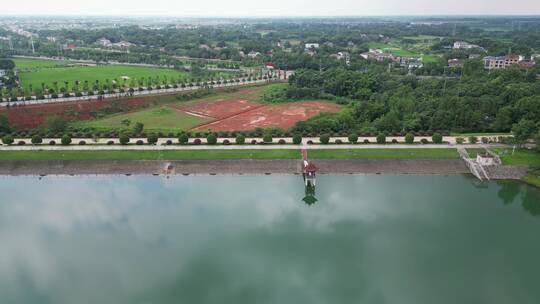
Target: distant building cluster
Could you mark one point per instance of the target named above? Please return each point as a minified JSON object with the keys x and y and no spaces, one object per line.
{"x":104,"y":42}
{"x":502,"y":62}
{"x":380,"y":55}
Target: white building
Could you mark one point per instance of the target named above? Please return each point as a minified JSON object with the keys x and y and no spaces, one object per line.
{"x":309,"y":46}
{"x":104,"y":42}
{"x":465,"y":45}
{"x":485,"y":159}
{"x":253,"y":54}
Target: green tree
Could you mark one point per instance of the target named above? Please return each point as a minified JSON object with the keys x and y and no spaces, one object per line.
{"x":409,"y":138}
{"x":152,"y":139}
{"x":297,"y":139}
{"x":437,"y":138}
{"x":240,"y":139}
{"x":124,"y":139}
{"x":138,"y":128}
{"x":65,"y":140}
{"x":381,"y":138}
{"x":7,"y":139}
{"x":267,"y":138}
{"x":183,"y":139}
{"x":56,"y":124}
{"x":353,"y":138}
{"x":211,"y":139}
{"x":36,"y":140}
{"x":324,"y":139}
{"x":523,"y":131}
{"x":537,"y":140}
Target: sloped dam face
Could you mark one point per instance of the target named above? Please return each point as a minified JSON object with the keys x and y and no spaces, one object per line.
{"x":268,"y":239}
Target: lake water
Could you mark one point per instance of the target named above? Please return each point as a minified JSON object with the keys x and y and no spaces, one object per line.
{"x":253,"y":239}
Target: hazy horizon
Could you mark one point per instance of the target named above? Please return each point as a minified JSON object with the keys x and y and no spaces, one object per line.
{"x":276,"y":8}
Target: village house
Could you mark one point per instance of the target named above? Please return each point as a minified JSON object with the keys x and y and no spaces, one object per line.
{"x":455,"y":63}
{"x":502,"y":62}
{"x":70,"y":46}
{"x":253,"y":54}
{"x":123,"y":44}
{"x":342,"y":56}
{"x":377,"y":54}
{"x":104,"y":42}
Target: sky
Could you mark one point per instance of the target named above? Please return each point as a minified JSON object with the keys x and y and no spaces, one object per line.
{"x":235,"y":8}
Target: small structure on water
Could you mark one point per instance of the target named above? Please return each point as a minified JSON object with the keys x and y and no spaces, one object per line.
{"x":485,"y":159}
{"x":309,"y":171}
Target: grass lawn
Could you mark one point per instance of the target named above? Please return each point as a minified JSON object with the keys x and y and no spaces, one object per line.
{"x":384,"y":153}
{"x":149,"y":155}
{"x":393,"y":48}
{"x":93,"y":73}
{"x":479,"y":134}
{"x":161,"y":118}
{"x":430,"y":59}
{"x":520,"y":157}
{"x":227,"y":154}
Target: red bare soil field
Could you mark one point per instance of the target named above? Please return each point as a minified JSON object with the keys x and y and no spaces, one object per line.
{"x":34,"y":115}
{"x":219,"y":109}
{"x":282,"y":116}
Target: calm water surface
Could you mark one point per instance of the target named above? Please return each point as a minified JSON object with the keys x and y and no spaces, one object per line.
{"x":252,"y":239}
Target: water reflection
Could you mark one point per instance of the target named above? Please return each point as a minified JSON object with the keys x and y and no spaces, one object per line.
{"x":221,"y":239}
{"x":309,"y":198}
{"x":511,"y":191}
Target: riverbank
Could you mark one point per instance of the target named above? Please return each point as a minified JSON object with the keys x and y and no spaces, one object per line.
{"x":229,"y":166}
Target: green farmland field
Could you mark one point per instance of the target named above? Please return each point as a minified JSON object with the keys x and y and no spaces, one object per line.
{"x":25,"y":64}
{"x":158,"y":119}
{"x":92,"y":73}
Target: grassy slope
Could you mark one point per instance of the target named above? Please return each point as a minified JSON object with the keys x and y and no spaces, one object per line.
{"x":519,"y":157}
{"x":93,"y":73}
{"x":228,"y":154}
{"x":156,"y":119}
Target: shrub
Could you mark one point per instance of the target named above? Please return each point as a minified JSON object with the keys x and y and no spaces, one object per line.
{"x":240,"y":139}
{"x":381,"y":138}
{"x":8,"y":140}
{"x":139,"y":142}
{"x":353,"y":138}
{"x":226,"y":142}
{"x":152,"y":139}
{"x":297,"y":139}
{"x":66,"y":140}
{"x":460,"y":140}
{"x":197,"y":141}
{"x":339,"y":141}
{"x":485,"y":140}
{"x":473,"y":139}
{"x":211,"y":139}
{"x":281,"y":141}
{"x":82,"y":143}
{"x":394,"y":141}
{"x":36,"y":140}
{"x":366,"y":141}
{"x":124,"y":139}
{"x":267,"y":138}
{"x":409,"y":138}
{"x":168,"y":142}
{"x":253,"y":141}
{"x":324,"y":139}
{"x":310,"y":142}
{"x":110,"y":142}
{"x":424,"y":141}
{"x":437,"y":138}
{"x":183,"y":139}
{"x":21,"y":143}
